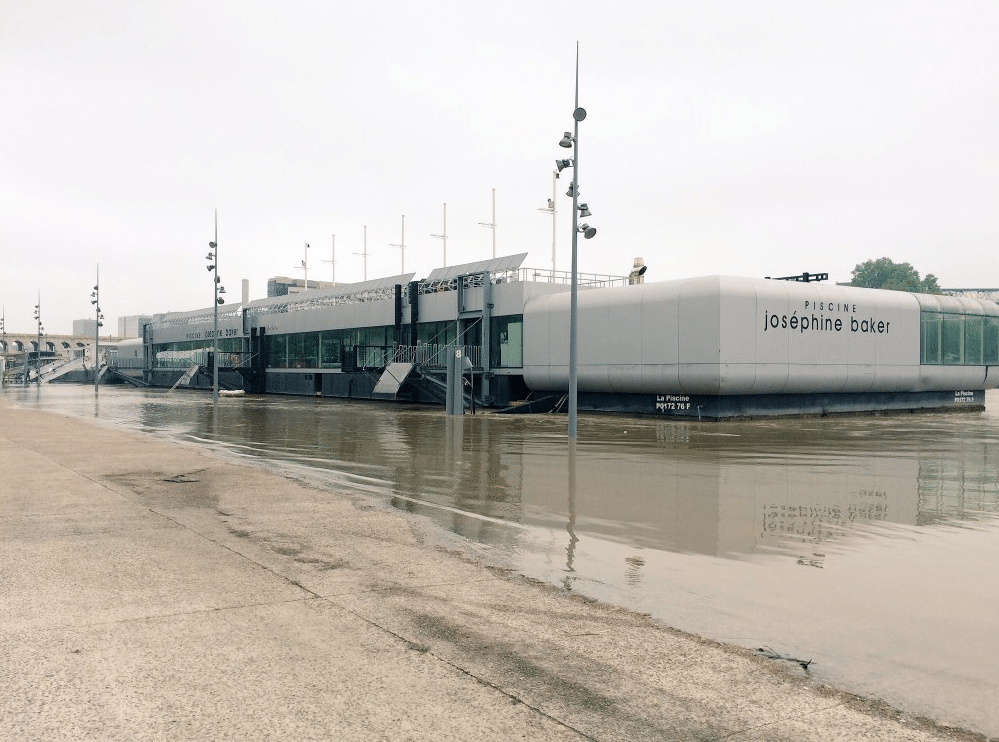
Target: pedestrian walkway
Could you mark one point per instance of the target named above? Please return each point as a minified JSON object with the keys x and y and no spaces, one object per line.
{"x":153,"y":591}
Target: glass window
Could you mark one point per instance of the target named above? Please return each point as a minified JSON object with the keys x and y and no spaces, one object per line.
{"x":310,"y":349}
{"x":990,"y":344}
{"x":953,"y":339}
{"x":296,"y":351}
{"x":507,"y":341}
{"x":329,"y":350}
{"x":973,"y":327}
{"x":277,"y":351}
{"x":930,"y":323}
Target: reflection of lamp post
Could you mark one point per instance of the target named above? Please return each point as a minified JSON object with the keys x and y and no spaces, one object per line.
{"x":570,"y":140}
{"x":96,"y":301}
{"x":213,"y":267}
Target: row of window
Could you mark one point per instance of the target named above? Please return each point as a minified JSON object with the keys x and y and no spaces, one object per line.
{"x":954,"y":339}
{"x":325,"y":348}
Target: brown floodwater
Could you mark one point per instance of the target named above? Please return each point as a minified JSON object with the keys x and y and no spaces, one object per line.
{"x":867,"y":544}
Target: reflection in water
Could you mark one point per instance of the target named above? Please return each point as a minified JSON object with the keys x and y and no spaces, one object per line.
{"x":867,"y":543}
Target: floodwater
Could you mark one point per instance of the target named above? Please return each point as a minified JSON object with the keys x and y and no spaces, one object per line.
{"x":867,"y":544}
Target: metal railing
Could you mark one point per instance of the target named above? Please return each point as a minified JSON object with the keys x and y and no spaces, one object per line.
{"x":434,"y":355}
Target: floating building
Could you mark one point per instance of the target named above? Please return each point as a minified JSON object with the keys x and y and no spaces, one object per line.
{"x":710,"y":347}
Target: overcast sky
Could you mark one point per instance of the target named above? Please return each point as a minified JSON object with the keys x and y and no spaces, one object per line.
{"x":747,"y":138}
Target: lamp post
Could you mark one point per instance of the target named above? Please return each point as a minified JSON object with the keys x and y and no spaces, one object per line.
{"x":305,"y":266}
{"x":332,"y":262}
{"x":443,"y":237}
{"x":38,"y":346}
{"x":365,"y":253}
{"x":213,"y":267}
{"x":96,"y":301}
{"x":402,"y":247}
{"x":551,"y":209}
{"x":3,"y":345}
{"x":492,"y":224}
{"x":569,"y":141}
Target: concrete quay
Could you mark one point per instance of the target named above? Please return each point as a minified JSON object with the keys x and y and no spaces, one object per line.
{"x":154,"y":591}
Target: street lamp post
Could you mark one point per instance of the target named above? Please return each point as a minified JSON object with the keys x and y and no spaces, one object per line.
{"x":96,"y":301}
{"x":443,"y":236}
{"x":551,"y":209}
{"x":213,"y":267}
{"x":570,"y":140}
{"x":365,"y":253}
{"x":3,"y":345}
{"x":402,"y":247}
{"x":492,"y":224}
{"x":38,"y":346}
{"x":332,"y":261}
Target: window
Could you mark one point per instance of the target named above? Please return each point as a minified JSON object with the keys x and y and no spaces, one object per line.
{"x":956,"y":339}
{"x":507,"y":341}
{"x":930,"y":324}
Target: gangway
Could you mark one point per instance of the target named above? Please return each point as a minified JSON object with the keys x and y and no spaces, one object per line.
{"x":55,"y":370}
{"x":187,"y":376}
{"x":391,"y":379}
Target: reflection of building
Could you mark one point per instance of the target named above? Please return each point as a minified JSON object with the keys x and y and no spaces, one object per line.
{"x":710,"y":347}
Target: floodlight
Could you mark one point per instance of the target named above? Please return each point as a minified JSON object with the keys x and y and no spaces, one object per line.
{"x":587,"y":231}
{"x":211,"y":245}
{"x":583,"y":211}
{"x":566,"y":140}
{"x":220,"y":300}
{"x":563,"y":164}
{"x":221,"y":289}
{"x":211,"y":268}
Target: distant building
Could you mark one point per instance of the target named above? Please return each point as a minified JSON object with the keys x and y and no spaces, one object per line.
{"x":85,"y":327}
{"x":131,"y":326}
{"x":282,"y":285}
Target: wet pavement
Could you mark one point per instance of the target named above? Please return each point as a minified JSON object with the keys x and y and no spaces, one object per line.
{"x":159,"y":591}
{"x":866,"y":544}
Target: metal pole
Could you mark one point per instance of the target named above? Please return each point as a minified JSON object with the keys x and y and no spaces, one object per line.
{"x":402,"y":247}
{"x":443,"y":237}
{"x":97,"y":333}
{"x":215,"y":327}
{"x":554,"y":177}
{"x":573,"y":290}
{"x":492,"y":224}
{"x":38,"y":350}
{"x":305,"y":265}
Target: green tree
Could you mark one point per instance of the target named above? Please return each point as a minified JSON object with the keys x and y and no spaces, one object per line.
{"x":884,"y":273}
